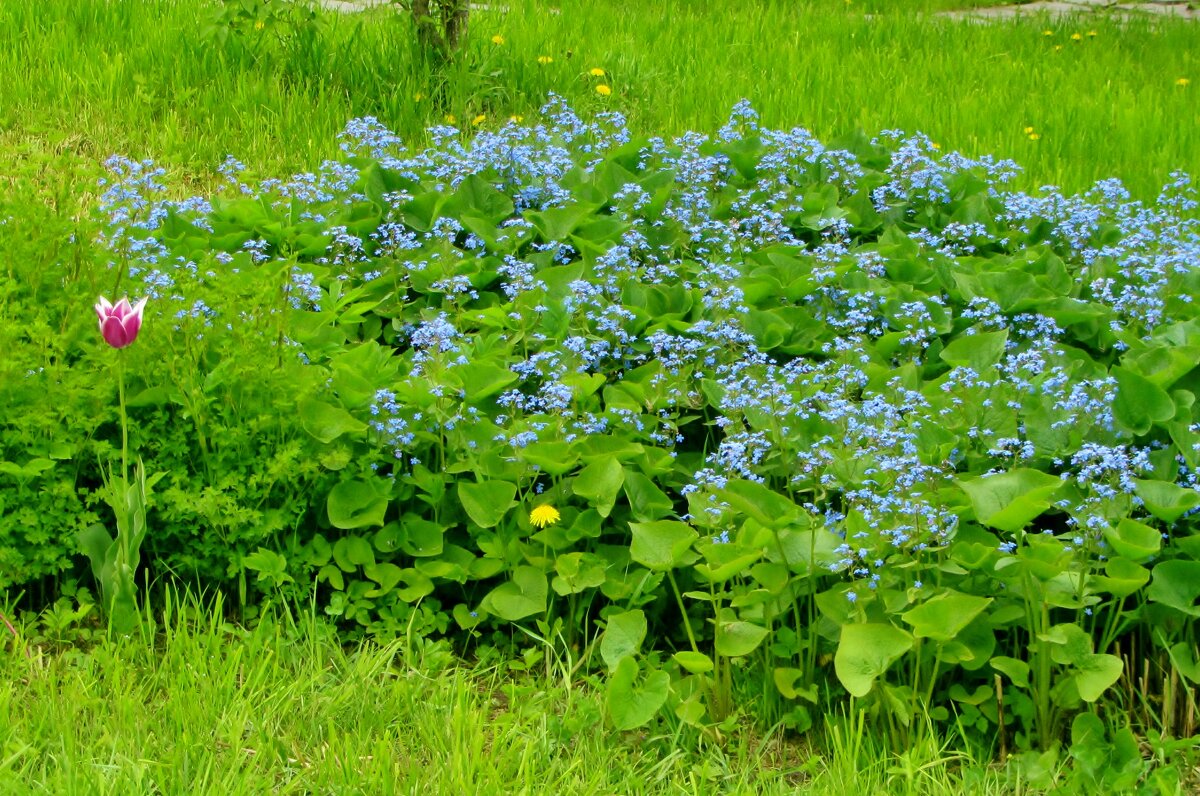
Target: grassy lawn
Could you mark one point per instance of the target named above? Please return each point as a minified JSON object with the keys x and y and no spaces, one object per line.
{"x":195,"y":705}
{"x":93,"y":77}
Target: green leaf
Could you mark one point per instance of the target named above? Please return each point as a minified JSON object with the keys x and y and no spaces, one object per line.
{"x":486,"y":502}
{"x":944,"y":615}
{"x":630,"y":704}
{"x":552,"y":458}
{"x":1010,"y":500}
{"x":865,"y":652}
{"x":1177,"y":584}
{"x":387,"y":575}
{"x":478,"y":197}
{"x":577,"y":572}
{"x":1133,"y":540}
{"x":760,"y":502}
{"x":693,"y":662}
{"x":647,"y":502}
{"x":1183,"y":658}
{"x":352,"y":552}
{"x":623,"y":636}
{"x":1070,"y":644}
{"x":1017,"y":670}
{"x":523,"y":596}
{"x":1122,"y":577}
{"x":737,"y":639}
{"x":1165,"y":500}
{"x":269,"y":565}
{"x":1095,"y":674}
{"x":980,"y":351}
{"x":326,"y":422}
{"x":599,"y":482}
{"x":660,"y":545}
{"x":357,"y":504}
{"x":1140,"y":402}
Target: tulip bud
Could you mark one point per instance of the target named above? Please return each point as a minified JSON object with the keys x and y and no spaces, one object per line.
{"x":121,"y":323}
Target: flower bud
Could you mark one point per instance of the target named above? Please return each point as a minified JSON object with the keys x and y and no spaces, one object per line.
{"x":121,"y":323}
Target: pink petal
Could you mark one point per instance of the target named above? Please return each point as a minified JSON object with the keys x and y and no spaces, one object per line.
{"x":132,"y":324}
{"x":138,"y":308}
{"x":103,"y":309}
{"x":114,"y":333}
{"x":122,"y":309}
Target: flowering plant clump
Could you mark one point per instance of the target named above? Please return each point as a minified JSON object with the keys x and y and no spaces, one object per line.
{"x":115,"y":559}
{"x":856,"y":417}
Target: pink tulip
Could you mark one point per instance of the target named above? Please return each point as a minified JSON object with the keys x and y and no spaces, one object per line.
{"x":120,"y":324}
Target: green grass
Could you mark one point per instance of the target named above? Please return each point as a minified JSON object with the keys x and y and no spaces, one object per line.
{"x":140,"y":78}
{"x":198,"y":706}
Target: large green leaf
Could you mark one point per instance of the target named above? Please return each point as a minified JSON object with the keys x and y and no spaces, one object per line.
{"x":623,"y":635}
{"x":1133,"y":540}
{"x":737,"y":639}
{"x":980,"y":351}
{"x":631,"y":704}
{"x":865,"y":652}
{"x":1165,"y":500}
{"x":520,"y":597}
{"x":942,"y":617}
{"x":357,"y":504}
{"x":486,"y":502}
{"x":327,"y":422}
{"x":646,"y":501}
{"x":660,"y":545}
{"x":760,"y":502}
{"x":1010,"y":500}
{"x":352,"y":552}
{"x":1177,"y":584}
{"x":1095,"y":674}
{"x":1140,"y":402}
{"x":599,"y":482}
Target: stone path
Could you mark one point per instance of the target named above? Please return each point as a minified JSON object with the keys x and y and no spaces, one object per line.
{"x":1179,"y":9}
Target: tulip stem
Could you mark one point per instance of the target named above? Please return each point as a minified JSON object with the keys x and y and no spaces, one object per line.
{"x":124,"y":421}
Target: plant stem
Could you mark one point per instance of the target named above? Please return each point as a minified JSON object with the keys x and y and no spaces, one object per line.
{"x":16,"y":636}
{"x":124,"y":420}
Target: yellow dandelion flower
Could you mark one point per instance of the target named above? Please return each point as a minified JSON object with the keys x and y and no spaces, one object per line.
{"x":544,"y":515}
{"x":1034,"y":136}
{"x":1076,"y":37}
{"x":1028,"y":130}
{"x":451,"y":118}
{"x":1183,"y":81}
{"x":497,"y":39}
{"x":1092,"y":34}
{"x":259,"y":25}
{"x":480,"y":119}
{"x":596,"y":72}
{"x":418,"y":97}
{"x":603,"y":90}
{"x":1047,"y":33}
{"x":1057,"y":47}
{"x":936,"y":145}
{"x":545,"y":59}
{"x":517,"y":118}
